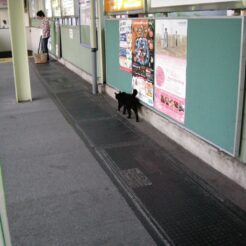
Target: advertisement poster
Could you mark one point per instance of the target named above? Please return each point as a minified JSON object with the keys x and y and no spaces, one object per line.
{"x":170,"y":3}
{"x":67,"y":7}
{"x":56,"y":8}
{"x":32,"y":8}
{"x":125,"y":53}
{"x":143,"y":59}
{"x":170,"y":67}
{"x":85,"y":12}
{"x":3,"y":4}
{"x":48,"y":8}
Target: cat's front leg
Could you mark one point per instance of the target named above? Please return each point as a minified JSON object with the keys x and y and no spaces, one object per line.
{"x":129,"y":113}
{"x":124,"y":110}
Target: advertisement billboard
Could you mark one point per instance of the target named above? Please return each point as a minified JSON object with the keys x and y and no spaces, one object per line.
{"x":193,"y":5}
{"x":67,"y":8}
{"x":56,"y":7}
{"x":170,"y":3}
{"x":48,"y":8}
{"x":114,"y":6}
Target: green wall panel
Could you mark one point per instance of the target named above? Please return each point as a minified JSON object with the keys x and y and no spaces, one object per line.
{"x":212,"y":79}
{"x":114,"y":76}
{"x":72,"y":51}
{"x":85,"y":35}
{"x":53,"y":37}
{"x":35,"y":22}
{"x":213,"y":65}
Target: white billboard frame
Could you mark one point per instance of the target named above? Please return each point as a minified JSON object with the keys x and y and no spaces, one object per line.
{"x":159,"y":6}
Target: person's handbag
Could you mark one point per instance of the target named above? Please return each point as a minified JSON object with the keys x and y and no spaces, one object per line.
{"x":40,"y":57}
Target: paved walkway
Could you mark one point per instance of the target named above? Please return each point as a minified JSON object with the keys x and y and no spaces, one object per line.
{"x":58,"y":194}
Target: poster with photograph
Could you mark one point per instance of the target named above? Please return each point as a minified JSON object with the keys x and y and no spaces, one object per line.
{"x":125,"y":53}
{"x":143,"y":59}
{"x":48,"y":8}
{"x":67,"y":7}
{"x":170,"y":67}
{"x":171,"y":3}
{"x":56,"y":7}
{"x":85,"y":12}
{"x":32,"y":8}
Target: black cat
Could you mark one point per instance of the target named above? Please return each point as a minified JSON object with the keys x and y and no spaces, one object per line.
{"x":128,"y":101}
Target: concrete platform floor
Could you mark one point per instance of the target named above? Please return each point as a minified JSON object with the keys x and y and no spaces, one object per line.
{"x":97,"y":178}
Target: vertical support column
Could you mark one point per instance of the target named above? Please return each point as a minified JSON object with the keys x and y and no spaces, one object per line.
{"x":101,"y":55}
{"x":93,"y":38}
{"x":19,"y":51}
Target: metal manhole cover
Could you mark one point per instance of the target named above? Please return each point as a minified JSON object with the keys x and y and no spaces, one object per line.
{"x":135,"y":178}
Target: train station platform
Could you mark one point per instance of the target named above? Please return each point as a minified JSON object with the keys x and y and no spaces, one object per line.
{"x":78,"y":172}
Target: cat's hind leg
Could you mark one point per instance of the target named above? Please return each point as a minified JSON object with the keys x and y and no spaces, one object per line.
{"x":129,"y":112}
{"x":119,"y":106}
{"x":136,"y":114}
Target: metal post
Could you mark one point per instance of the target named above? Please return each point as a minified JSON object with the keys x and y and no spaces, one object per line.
{"x":100,"y":40}
{"x":93,"y":39}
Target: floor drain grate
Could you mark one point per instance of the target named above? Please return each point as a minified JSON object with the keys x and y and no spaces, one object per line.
{"x":135,"y":178}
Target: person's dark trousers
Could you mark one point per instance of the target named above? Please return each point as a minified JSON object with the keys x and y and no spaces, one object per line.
{"x":44,"y":46}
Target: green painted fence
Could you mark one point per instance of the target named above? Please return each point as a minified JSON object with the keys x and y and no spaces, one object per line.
{"x":4,"y":228}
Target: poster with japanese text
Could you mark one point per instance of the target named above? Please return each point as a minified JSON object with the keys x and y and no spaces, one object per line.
{"x":171,"y":3}
{"x":170,"y":67}
{"x":85,"y":12}
{"x":56,"y":8}
{"x":3,"y":4}
{"x":125,"y":53}
{"x":48,"y":8}
{"x":67,"y":7}
{"x":143,"y":59}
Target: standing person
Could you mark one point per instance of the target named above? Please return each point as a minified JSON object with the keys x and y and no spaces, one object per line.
{"x":4,"y":24}
{"x":165,"y":39}
{"x":45,"y":25}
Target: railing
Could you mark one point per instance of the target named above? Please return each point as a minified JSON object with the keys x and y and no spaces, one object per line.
{"x":4,"y":227}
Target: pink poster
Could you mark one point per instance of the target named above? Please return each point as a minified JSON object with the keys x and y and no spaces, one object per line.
{"x":170,"y":68}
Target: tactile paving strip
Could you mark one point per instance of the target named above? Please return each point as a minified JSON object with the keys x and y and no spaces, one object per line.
{"x":186,"y":212}
{"x":135,"y":178}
